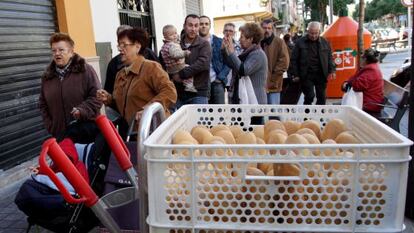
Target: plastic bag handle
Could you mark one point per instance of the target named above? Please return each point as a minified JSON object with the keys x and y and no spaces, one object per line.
{"x":115,"y":141}
{"x":53,"y":150}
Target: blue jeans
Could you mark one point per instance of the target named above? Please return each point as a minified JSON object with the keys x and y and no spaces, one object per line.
{"x":216,"y":93}
{"x":193,"y":100}
{"x":273,"y":98}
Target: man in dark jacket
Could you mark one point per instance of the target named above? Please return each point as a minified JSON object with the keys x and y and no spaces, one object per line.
{"x":199,"y":64}
{"x":312,"y":64}
{"x":218,"y":70}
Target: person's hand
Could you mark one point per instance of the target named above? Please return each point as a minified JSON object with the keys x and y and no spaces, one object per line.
{"x":187,"y":53}
{"x":75,"y":113}
{"x":295,"y":79}
{"x":345,"y":86}
{"x":331,"y":76}
{"x":102,"y":95}
{"x":228,"y":45}
{"x":177,"y":78}
{"x":138,"y":116}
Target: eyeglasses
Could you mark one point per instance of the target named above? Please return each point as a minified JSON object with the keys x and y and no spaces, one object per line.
{"x":123,"y":46}
{"x":227,"y":30}
{"x":58,"y":51}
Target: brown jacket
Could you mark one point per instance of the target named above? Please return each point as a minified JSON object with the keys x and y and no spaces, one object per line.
{"x":199,"y":68}
{"x":277,"y":62}
{"x":58,"y":98}
{"x":145,"y":83}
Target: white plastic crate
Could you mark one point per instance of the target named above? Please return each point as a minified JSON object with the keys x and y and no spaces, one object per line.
{"x":360,"y":188}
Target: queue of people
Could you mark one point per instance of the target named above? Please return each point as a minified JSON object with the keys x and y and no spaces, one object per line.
{"x":195,"y":67}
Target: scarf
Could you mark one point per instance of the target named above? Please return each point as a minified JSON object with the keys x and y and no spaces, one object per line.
{"x":238,"y":74}
{"x":61,"y":72}
{"x":267,"y":41}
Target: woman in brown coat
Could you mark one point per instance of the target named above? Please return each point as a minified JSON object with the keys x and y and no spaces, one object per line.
{"x":68,"y":88}
{"x":141,"y":82}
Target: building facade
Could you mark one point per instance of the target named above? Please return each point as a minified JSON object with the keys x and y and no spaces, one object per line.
{"x":26,"y":26}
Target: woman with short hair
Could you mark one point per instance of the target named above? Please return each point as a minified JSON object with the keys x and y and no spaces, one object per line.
{"x":68,"y":88}
{"x":141,"y":82}
{"x":251,"y":62}
{"x":368,"y":80}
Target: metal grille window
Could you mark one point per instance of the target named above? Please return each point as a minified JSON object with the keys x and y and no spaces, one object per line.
{"x":137,"y":13}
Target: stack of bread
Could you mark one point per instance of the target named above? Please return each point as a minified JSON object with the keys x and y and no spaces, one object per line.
{"x":273,"y":132}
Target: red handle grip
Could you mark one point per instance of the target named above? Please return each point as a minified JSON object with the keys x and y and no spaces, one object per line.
{"x":51,"y":148}
{"x":115,"y":141}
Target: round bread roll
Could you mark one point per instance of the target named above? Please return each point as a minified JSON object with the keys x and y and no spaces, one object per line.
{"x":201,"y":134}
{"x":226,"y":135}
{"x":259,"y":131}
{"x":261,"y":151}
{"x":265,"y":167}
{"x":181,"y":135}
{"x":288,"y":169}
{"x":306,"y":130}
{"x":328,"y":152}
{"x":296,"y":139}
{"x":312,"y":139}
{"x":251,"y":171}
{"x":276,"y":137}
{"x":274,"y":132}
{"x":270,"y":173}
{"x":313,"y":125}
{"x":246,"y":138}
{"x":186,"y":152}
{"x":236,"y":130}
{"x":332,"y":129}
{"x":215,"y":140}
{"x":272,"y":125}
{"x":291,"y":126}
{"x":216,"y":128}
{"x":198,"y":126}
{"x":346,"y":138}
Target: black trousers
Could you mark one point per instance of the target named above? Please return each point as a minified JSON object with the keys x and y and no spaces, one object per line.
{"x":314,"y":82}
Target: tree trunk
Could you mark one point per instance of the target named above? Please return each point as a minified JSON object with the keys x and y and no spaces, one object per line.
{"x":361,"y":30}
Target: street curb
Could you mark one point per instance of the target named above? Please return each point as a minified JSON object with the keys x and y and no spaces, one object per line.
{"x":11,"y":179}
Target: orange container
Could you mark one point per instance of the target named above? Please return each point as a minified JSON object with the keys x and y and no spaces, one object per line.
{"x":342,"y":35}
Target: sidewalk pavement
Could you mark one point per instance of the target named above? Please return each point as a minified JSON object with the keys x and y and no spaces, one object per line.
{"x":13,"y":220}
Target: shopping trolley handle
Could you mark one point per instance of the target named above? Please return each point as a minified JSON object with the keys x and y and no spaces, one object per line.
{"x":115,"y":142}
{"x":59,"y":158}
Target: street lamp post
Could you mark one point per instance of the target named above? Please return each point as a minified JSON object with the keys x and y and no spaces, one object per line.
{"x":330,"y":11}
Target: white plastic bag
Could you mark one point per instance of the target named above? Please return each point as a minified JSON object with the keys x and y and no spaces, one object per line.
{"x":246,"y":91}
{"x":352,"y":98}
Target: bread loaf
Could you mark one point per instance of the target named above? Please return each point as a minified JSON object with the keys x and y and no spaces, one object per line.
{"x":216,"y":128}
{"x":332,"y":129}
{"x":346,"y":138}
{"x":291,"y":126}
{"x":201,"y":134}
{"x":315,"y":126}
{"x":226,"y":135}
{"x":236,"y":130}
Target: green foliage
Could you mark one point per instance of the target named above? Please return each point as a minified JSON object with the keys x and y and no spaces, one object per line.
{"x":378,"y":8}
{"x":318,"y":8}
